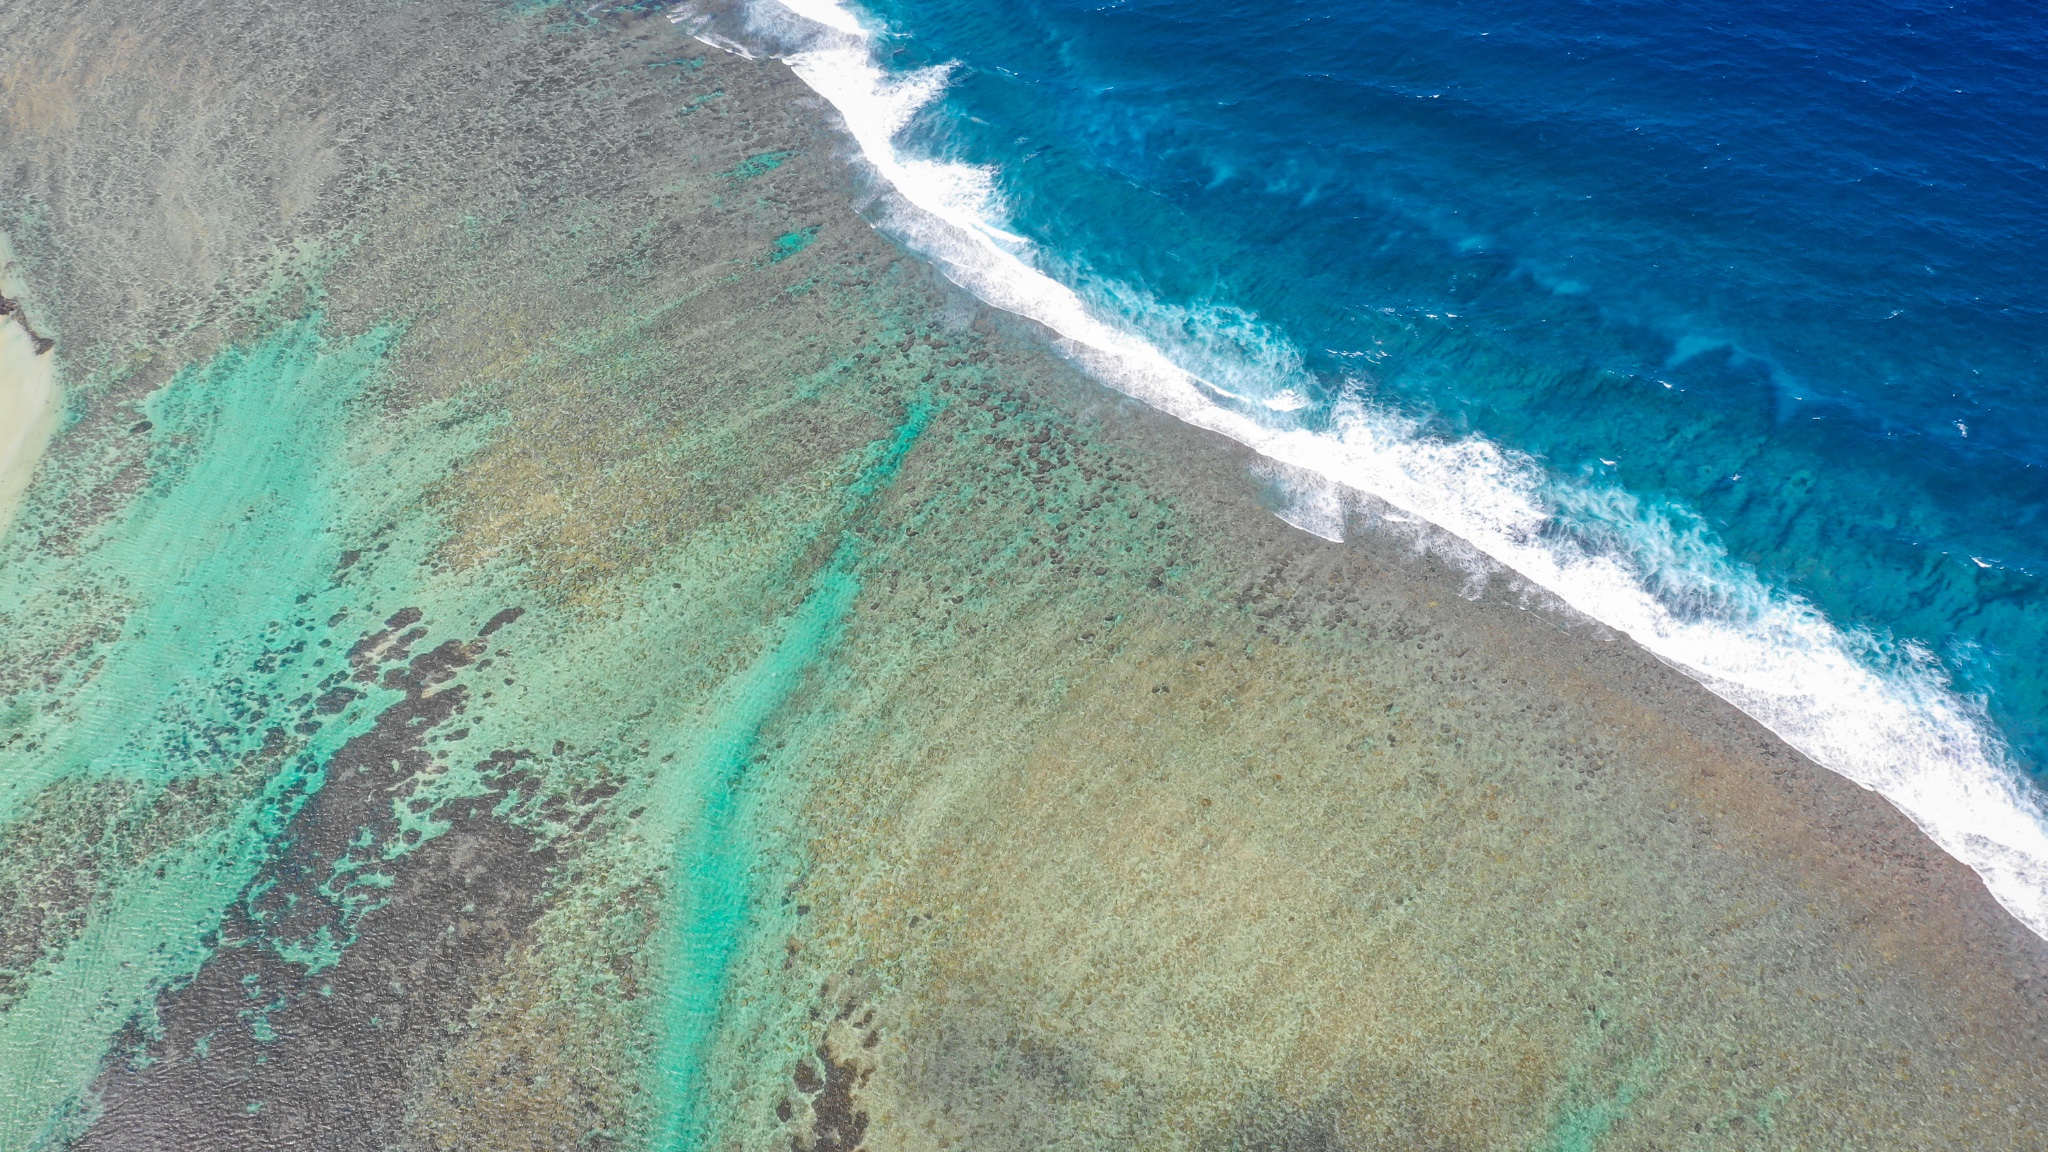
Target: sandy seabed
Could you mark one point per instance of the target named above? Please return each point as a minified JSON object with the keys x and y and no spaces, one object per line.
{"x":543,"y":629}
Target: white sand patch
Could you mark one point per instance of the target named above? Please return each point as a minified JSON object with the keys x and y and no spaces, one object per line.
{"x":28,"y":398}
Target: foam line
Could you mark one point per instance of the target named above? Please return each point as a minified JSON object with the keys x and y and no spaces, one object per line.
{"x":1892,"y":725}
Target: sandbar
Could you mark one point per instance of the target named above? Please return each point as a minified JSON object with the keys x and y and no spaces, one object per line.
{"x":29,"y":401}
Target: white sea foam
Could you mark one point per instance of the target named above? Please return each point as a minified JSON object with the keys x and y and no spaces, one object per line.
{"x":1887,"y":720}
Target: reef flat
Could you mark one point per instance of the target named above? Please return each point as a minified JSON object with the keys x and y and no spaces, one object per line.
{"x":538,"y":628}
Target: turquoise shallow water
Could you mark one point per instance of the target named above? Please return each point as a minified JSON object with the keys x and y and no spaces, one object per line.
{"x":714,"y":856}
{"x":219,"y":622}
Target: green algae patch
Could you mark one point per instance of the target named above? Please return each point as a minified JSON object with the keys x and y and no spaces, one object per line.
{"x":791,"y":243}
{"x":1601,"y":1089}
{"x":1581,"y":1127}
{"x":759,"y":164}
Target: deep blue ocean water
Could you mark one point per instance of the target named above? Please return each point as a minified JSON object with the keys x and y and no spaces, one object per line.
{"x":1783,"y":267}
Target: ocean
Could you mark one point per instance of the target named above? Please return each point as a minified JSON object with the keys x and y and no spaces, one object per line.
{"x":1723,"y":323}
